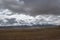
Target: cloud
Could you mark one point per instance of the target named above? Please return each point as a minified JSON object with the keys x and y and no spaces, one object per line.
{"x":11,"y":21}
{"x":21,"y":19}
{"x":18,"y":12}
{"x":11,"y":4}
{"x":32,"y":7}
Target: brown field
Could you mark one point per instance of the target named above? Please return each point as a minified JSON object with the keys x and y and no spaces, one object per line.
{"x":30,"y":34}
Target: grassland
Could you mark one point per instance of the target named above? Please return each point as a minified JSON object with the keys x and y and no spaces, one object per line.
{"x":30,"y":34}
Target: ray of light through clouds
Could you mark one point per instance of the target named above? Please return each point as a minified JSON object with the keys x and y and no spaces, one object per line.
{"x":17,"y":12}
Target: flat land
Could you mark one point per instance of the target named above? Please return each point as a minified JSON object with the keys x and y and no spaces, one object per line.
{"x":30,"y":34}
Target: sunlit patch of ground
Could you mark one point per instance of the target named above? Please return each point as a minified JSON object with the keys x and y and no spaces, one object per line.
{"x":30,"y":34}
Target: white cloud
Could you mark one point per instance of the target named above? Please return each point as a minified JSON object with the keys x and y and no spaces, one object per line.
{"x":22,"y":19}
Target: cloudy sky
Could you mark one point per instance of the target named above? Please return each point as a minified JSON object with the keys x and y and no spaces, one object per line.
{"x":29,"y":11}
{"x":33,"y":6}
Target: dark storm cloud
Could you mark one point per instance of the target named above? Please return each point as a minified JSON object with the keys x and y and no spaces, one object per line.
{"x":36,"y":6}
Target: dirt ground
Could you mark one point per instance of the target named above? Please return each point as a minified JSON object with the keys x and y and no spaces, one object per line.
{"x":30,"y":34}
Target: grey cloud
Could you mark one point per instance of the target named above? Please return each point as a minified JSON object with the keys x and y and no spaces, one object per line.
{"x":1,"y":21}
{"x":7,"y":21}
{"x":36,"y":6}
{"x":11,"y":21}
{"x":12,"y":4}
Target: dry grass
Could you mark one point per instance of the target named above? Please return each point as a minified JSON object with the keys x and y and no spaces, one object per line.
{"x":30,"y":34}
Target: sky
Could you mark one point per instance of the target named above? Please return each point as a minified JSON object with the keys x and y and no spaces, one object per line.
{"x":27,"y":12}
{"x":33,"y":6}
